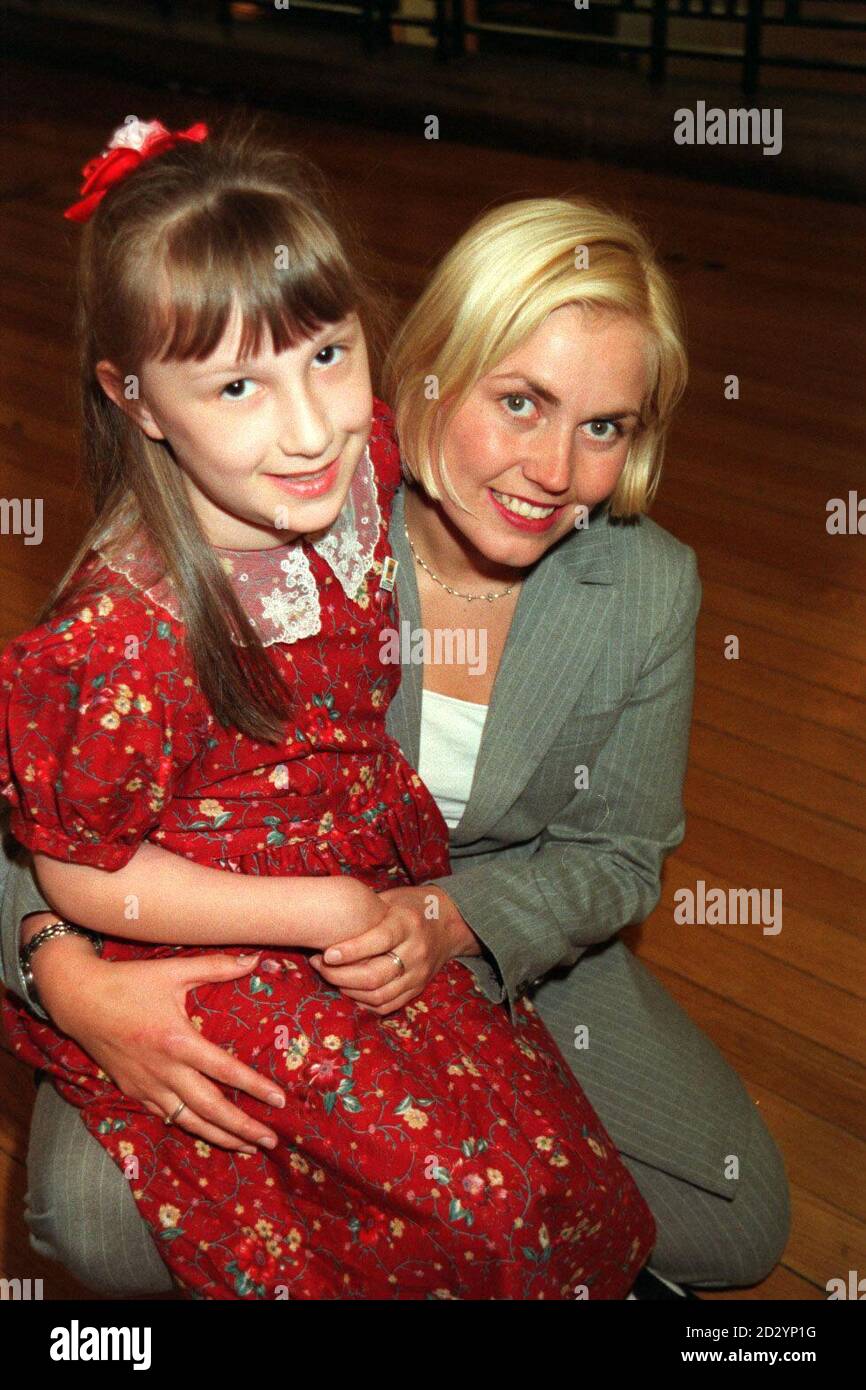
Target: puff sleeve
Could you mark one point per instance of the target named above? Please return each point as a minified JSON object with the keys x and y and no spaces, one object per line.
{"x":99,"y":715}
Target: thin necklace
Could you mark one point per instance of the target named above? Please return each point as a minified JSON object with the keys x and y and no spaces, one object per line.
{"x":455,"y":592}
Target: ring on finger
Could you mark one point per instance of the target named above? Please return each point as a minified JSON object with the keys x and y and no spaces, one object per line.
{"x":395,"y":957}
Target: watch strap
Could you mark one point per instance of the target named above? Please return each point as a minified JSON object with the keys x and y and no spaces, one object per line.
{"x":59,"y":928}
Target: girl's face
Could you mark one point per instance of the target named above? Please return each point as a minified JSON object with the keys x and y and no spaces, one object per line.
{"x":545,"y":432}
{"x":268,"y":447}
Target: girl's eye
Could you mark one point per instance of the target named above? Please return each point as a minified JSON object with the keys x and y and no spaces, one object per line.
{"x":518,"y":414}
{"x":605,"y":425}
{"x":241,"y":381}
{"x":331,"y":347}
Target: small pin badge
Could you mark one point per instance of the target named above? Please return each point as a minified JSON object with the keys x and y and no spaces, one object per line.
{"x":389,"y":573}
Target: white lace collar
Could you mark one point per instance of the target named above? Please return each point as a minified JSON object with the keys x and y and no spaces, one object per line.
{"x":282,"y":607}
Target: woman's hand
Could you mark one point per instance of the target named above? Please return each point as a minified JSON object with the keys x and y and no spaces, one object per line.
{"x":129,"y":1016}
{"x":423,"y":925}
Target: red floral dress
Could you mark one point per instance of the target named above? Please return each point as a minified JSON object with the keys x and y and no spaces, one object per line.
{"x":438,"y":1152}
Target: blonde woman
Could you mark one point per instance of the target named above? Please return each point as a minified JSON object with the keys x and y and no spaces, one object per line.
{"x":547,"y":650}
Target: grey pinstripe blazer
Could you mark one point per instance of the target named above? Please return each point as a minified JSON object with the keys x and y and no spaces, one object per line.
{"x":597,"y":671}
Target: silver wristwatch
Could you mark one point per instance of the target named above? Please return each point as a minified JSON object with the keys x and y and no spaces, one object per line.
{"x":26,"y":954}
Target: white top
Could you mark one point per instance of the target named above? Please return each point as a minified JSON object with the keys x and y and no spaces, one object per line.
{"x":451,"y":732}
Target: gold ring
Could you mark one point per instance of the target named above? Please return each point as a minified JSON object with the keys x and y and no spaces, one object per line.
{"x":170,"y":1119}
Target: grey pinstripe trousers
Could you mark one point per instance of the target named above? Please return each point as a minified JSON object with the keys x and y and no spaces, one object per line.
{"x":80,"y":1211}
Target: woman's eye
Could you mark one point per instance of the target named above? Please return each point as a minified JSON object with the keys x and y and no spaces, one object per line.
{"x":605,"y":431}
{"x":241,"y":381}
{"x":518,"y":414}
{"x":331,"y":347}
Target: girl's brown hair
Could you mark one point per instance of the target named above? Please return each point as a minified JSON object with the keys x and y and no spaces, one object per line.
{"x":163,"y":259}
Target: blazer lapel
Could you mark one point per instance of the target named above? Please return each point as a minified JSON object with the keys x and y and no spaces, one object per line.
{"x":403,"y":720}
{"x":561,"y":620}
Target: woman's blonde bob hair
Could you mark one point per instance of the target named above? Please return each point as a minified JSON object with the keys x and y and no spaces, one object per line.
{"x":494,"y":288}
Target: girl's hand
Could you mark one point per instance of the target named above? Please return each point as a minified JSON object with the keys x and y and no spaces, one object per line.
{"x":129,"y":1016}
{"x":423,"y":941}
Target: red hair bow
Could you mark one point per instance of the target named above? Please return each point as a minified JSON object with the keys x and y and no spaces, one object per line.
{"x":132,"y":143}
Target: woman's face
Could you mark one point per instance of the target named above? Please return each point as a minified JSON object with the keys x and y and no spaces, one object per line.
{"x":251,"y":437}
{"x":545,"y":433}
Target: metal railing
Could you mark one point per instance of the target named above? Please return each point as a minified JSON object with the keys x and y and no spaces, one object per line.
{"x":558,"y":26}
{"x":754,"y":19}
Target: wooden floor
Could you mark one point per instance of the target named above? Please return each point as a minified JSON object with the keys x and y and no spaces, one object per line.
{"x":776,"y":791}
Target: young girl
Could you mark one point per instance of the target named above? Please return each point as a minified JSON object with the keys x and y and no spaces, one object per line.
{"x":438,"y":1153}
